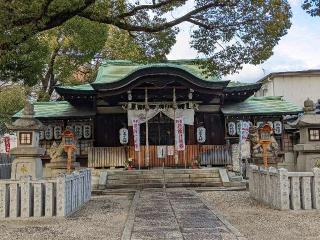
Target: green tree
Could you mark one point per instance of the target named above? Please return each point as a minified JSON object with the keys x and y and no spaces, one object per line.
{"x":226,"y":33}
{"x":12,"y":99}
{"x":312,"y":7}
{"x":78,"y":45}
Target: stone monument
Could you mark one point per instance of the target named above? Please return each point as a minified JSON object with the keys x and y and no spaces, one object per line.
{"x":308,"y":148}
{"x":27,"y":162}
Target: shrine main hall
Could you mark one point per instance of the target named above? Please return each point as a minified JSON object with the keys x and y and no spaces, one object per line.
{"x":165,"y":114}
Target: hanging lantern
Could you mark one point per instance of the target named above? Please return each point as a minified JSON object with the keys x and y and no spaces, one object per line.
{"x":57,"y":132}
{"x":260,"y":124}
{"x":232,"y":128}
{"x":201,"y":134}
{"x":277,"y":127}
{"x":123,"y":136}
{"x":87,"y":131}
{"x":48,"y":134}
{"x":41,"y":135}
{"x":78,"y":131}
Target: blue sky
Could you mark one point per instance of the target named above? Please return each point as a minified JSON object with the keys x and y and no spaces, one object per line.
{"x":298,"y":50}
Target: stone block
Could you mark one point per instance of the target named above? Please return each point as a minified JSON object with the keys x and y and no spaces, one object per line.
{"x":4,"y":200}
{"x":15,"y":203}
{"x":26,"y":199}
{"x":38,"y":200}
{"x":49,"y":199}
{"x":306,"y":202}
{"x":295,"y":193}
{"x":103,"y":179}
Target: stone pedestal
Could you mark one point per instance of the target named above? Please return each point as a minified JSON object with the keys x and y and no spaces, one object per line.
{"x":27,"y":162}
{"x":58,"y":167}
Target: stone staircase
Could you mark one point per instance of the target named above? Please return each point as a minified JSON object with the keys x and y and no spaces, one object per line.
{"x":156,"y":178}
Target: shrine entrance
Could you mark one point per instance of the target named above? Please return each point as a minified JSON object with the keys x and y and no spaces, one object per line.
{"x":161,"y":131}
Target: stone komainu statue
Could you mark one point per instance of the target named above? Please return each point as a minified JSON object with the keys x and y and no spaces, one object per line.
{"x":257,"y":150}
{"x":56,"y":152}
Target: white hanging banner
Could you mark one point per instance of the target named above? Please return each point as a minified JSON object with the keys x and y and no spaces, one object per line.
{"x":179,"y":134}
{"x":136,"y":133}
{"x":142,"y":115}
{"x":161,"y":151}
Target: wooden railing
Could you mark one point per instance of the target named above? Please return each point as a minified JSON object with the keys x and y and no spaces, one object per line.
{"x":100,"y":157}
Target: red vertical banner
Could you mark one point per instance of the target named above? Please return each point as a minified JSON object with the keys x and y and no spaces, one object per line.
{"x":7,"y":144}
{"x":136,"y":133}
{"x":179,"y":134}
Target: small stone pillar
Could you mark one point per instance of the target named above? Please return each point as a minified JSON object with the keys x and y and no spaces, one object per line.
{"x":27,"y":154}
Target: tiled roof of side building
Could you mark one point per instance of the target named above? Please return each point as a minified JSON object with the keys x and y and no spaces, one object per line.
{"x":261,"y":106}
{"x":58,"y":110}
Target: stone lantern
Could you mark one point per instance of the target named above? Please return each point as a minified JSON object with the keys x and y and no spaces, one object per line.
{"x":308,"y":148}
{"x":27,"y":154}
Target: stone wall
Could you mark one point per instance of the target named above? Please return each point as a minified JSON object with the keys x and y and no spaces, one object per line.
{"x":285,"y":190}
{"x":59,"y":196}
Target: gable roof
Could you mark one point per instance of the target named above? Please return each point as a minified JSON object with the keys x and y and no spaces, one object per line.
{"x":305,"y":73}
{"x":261,"y":106}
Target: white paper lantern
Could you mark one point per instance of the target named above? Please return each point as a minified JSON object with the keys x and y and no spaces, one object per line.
{"x":270,"y":124}
{"x":78,"y":131}
{"x":277,"y":127}
{"x":201,"y":134}
{"x":41,"y":137}
{"x":232,"y":128}
{"x":48,"y":134}
{"x":87,"y":131}
{"x":57,"y":132}
{"x":260,"y":124}
{"x":123,"y":135}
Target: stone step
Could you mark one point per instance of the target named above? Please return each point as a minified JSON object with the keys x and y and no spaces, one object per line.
{"x":169,"y":185}
{"x":158,"y":176}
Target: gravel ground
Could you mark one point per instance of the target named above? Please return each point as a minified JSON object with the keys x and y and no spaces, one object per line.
{"x":103,"y":217}
{"x":259,"y":222}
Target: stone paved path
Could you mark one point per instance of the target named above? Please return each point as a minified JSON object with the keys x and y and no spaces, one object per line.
{"x":176,"y":214}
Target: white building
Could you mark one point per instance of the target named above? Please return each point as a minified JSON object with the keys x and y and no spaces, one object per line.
{"x":294,"y":86}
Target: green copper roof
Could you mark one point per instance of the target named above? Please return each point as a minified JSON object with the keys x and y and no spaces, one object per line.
{"x":261,"y":106}
{"x":113,"y":71}
{"x":58,"y":110}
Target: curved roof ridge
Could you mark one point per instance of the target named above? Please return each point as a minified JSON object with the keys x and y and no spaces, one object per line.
{"x":118,"y":76}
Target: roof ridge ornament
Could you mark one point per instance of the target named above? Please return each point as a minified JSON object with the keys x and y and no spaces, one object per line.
{"x":308,"y":106}
{"x":28,"y":111}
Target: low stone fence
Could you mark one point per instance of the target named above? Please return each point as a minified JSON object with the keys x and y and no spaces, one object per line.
{"x":285,"y":190}
{"x":59,"y":196}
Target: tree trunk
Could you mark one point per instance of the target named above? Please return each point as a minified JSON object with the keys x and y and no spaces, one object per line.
{"x":49,"y":80}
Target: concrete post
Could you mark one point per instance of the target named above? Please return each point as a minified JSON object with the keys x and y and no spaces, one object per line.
{"x":38,"y":203}
{"x":315,"y":187}
{"x":306,"y":202}
{"x":61,"y":196}
{"x":295,"y":193}
{"x":283,"y":197}
{"x":26,"y":200}
{"x":4,"y":200}
{"x":49,"y":200}
{"x":14,"y":200}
